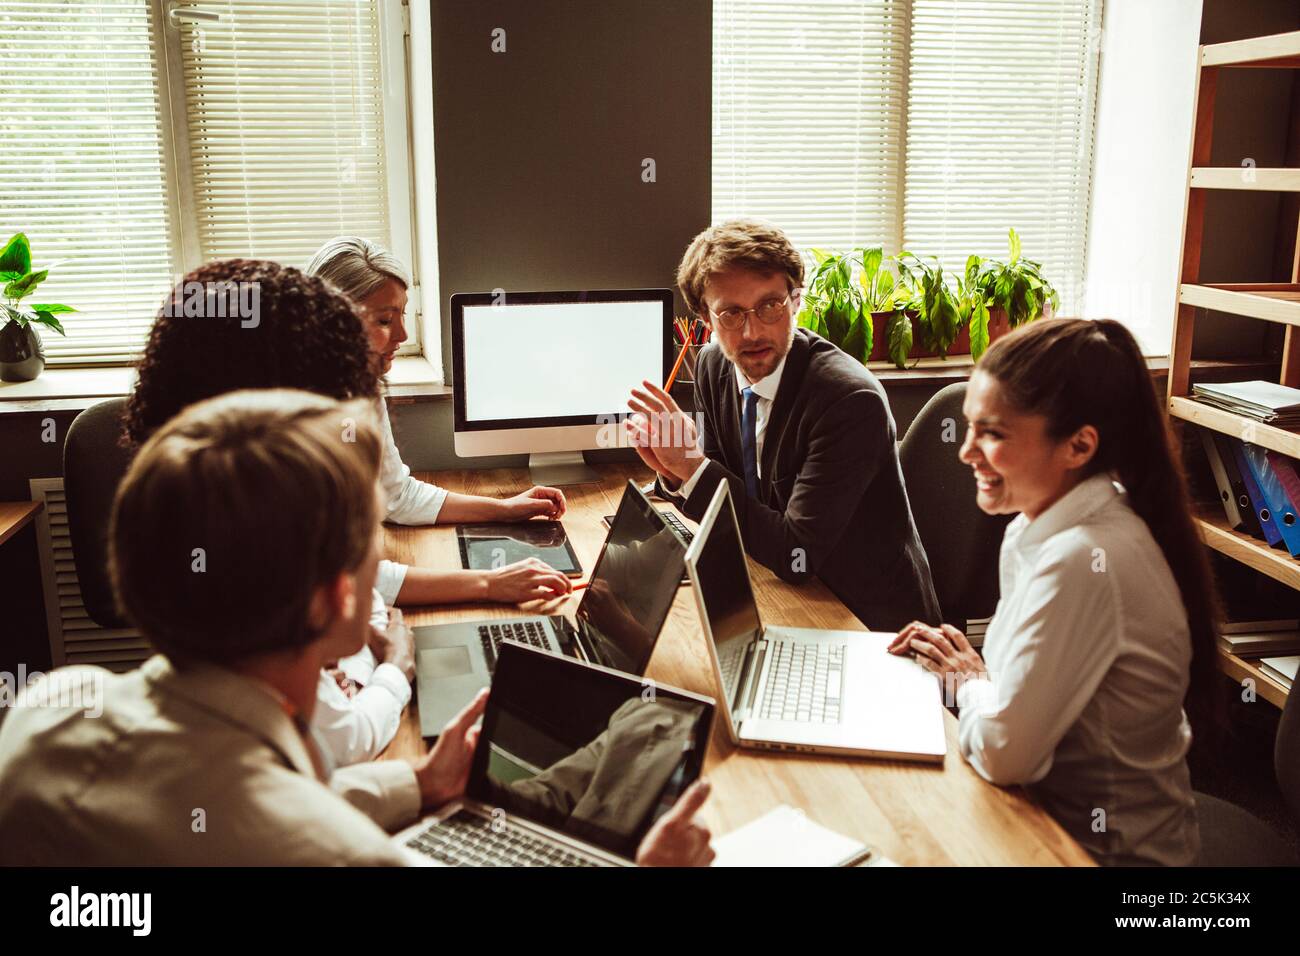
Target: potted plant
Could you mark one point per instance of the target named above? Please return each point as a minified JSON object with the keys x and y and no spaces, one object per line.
{"x":22,"y":356}
{"x":844,"y":311}
{"x":995,"y":297}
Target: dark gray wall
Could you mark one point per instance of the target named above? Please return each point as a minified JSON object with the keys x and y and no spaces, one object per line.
{"x":540,"y":148}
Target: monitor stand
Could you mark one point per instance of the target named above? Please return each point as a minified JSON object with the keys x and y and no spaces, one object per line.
{"x":555,"y":468}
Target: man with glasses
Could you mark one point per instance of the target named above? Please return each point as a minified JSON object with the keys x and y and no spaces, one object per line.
{"x":801,"y":430}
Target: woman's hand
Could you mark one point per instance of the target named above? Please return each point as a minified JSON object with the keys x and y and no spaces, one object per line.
{"x":941,"y":650}
{"x":526,"y":580}
{"x":536,"y":502}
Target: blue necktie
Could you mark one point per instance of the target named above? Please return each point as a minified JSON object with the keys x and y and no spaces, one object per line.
{"x":749,"y":440}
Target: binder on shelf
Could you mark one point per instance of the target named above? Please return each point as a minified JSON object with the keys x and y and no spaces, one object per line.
{"x":1275,"y":496}
{"x":1261,"y":510}
{"x":1226,"y":494}
{"x":1250,"y":520}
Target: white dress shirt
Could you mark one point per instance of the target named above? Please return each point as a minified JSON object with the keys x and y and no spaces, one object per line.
{"x":354,"y":729}
{"x":410,"y":502}
{"x":1088,"y":657}
{"x":765,"y":389}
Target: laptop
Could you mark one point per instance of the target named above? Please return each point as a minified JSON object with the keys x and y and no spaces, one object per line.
{"x":616,"y":624}
{"x":575,"y":762}
{"x":794,"y":688}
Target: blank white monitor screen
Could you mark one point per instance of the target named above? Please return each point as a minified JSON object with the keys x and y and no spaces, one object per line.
{"x":528,"y":360}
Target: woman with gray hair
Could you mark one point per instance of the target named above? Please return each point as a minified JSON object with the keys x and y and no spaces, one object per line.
{"x":376,"y":283}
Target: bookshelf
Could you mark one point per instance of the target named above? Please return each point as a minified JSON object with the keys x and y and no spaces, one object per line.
{"x":1277,"y":302}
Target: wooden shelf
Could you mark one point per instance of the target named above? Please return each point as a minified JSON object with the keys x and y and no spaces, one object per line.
{"x":1236,"y":426}
{"x":1279,"y":51}
{"x":1271,"y":301}
{"x":1251,"y":551}
{"x":1240,"y":668}
{"x":1245,"y":177}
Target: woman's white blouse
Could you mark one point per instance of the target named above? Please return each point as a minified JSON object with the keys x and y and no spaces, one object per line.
{"x":410,"y":502}
{"x":1088,"y":657}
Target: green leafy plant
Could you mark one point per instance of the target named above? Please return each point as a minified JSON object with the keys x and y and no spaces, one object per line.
{"x":843,"y":292}
{"x":20,"y":281}
{"x":931,"y":301}
{"x":1016,"y":286}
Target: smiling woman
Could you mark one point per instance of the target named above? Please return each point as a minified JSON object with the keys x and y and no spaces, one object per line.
{"x":1107,"y":613}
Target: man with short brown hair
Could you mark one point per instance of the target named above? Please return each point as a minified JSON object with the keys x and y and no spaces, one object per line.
{"x":244,"y":543}
{"x":801,"y":430}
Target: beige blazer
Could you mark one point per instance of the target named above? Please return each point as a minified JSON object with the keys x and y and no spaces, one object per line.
{"x":161,"y":766}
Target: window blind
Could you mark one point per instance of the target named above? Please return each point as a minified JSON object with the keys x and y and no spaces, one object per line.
{"x":999,"y":131}
{"x":81,"y":160}
{"x":808,"y":117}
{"x":931,"y":125}
{"x":284,"y":109}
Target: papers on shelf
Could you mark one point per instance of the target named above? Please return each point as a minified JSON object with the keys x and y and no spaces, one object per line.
{"x":1266,"y":402}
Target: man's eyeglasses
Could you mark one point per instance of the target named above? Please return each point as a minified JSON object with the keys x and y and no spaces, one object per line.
{"x":769,"y":313}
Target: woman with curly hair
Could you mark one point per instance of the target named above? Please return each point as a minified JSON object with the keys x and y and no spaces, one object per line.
{"x":292,"y":330}
{"x":376,"y":283}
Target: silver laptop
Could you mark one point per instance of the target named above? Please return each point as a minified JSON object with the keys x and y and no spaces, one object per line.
{"x":794,"y":688}
{"x":575,"y":762}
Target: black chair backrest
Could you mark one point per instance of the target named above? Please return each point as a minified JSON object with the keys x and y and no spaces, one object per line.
{"x":961,"y":541}
{"x":94,"y":463}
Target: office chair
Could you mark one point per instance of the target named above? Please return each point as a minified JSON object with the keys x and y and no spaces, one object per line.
{"x":1231,"y":835}
{"x":94,"y":463}
{"x":961,"y":542}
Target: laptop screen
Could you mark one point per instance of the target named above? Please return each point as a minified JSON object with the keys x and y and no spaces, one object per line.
{"x":725,"y":590}
{"x":594,"y":754}
{"x":632,"y":587}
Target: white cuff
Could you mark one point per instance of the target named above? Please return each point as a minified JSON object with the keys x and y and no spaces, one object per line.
{"x":688,"y":486}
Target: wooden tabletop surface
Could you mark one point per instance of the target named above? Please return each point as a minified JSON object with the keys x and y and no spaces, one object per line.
{"x":916,"y":814}
{"x":14,"y":515}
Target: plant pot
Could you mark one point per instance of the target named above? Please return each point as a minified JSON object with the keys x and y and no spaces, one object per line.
{"x":22,"y":357}
{"x":999,"y":325}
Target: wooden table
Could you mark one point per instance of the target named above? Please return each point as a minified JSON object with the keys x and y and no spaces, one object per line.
{"x":916,"y":814}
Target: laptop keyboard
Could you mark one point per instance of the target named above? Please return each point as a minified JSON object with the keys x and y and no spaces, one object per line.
{"x":467,"y":839}
{"x":804,"y":682}
{"x":524,"y":632}
{"x":679,"y":527}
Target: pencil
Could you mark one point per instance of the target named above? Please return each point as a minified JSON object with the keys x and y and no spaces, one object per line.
{"x":668,"y":386}
{"x":579,"y":587}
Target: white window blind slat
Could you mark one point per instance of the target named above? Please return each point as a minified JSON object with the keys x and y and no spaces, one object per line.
{"x":931,"y":125}
{"x":285,"y":114}
{"x":82,"y":133}
{"x":999,"y":135}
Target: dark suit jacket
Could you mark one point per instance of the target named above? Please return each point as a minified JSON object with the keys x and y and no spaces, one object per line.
{"x":831,"y":498}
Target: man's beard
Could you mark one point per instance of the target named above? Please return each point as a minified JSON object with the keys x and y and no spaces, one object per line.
{"x":768,"y":366}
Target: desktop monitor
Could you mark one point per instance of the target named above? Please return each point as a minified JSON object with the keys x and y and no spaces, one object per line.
{"x":549,"y":373}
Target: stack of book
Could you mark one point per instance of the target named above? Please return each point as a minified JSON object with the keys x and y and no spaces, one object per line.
{"x":976,"y":627}
{"x":1281,"y":669}
{"x":1266,"y":402}
{"x":1260,"y":638}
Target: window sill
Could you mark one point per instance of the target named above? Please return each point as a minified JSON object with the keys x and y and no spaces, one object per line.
{"x":64,"y":389}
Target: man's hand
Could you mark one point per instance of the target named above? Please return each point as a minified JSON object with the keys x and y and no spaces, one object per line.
{"x":663,"y":435}
{"x":536,"y":502}
{"x":395,"y":644}
{"x":444,"y":772}
{"x":346,"y":683}
{"x":676,"y":839}
{"x":526,"y":580}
